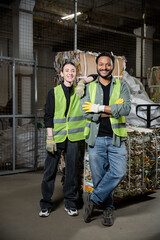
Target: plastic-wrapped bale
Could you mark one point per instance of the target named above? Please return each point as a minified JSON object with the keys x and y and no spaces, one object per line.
{"x":153,"y":80}
{"x":25,"y":148}
{"x":140,"y":96}
{"x":6,"y":149}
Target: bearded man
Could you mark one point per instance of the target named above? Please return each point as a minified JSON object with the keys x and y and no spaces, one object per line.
{"x":106,"y":102}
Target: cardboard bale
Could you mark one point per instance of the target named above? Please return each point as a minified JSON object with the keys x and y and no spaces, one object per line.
{"x":85,"y":63}
{"x":88,"y":65}
{"x":119,"y":66}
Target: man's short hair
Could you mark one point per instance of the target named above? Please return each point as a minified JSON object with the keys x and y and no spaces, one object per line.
{"x":105,"y":54}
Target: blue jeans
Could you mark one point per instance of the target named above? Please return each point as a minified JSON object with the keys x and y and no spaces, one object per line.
{"x":108,"y":167}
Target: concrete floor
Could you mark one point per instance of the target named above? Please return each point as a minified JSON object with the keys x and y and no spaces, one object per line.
{"x":138,"y":219}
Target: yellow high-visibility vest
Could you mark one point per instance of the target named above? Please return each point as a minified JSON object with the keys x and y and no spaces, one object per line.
{"x":72,"y":125}
{"x":118,"y":125}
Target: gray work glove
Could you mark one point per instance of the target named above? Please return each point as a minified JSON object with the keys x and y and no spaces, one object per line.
{"x":80,"y":88}
{"x":51,"y":145}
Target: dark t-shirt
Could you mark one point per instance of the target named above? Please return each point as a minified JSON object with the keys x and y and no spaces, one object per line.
{"x":105,"y":125}
{"x":50,"y":108}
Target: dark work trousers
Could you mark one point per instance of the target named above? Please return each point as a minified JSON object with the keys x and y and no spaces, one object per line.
{"x":70,"y":188}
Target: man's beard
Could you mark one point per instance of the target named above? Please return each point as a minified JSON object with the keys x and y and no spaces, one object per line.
{"x":106,"y":76}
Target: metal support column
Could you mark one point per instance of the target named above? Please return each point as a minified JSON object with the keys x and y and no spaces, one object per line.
{"x":14,"y":118}
{"x":142,"y":37}
{"x":75,"y":25}
{"x":36,"y":128}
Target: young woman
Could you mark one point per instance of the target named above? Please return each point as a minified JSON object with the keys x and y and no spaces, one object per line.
{"x":65,"y":128}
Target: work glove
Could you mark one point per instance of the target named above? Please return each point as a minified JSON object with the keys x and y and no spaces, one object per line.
{"x":119,"y":101}
{"x":81,"y":86}
{"x":95,"y":108}
{"x":51,"y":145}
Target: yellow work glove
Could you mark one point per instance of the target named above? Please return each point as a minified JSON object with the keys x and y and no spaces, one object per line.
{"x":51,"y":145}
{"x":80,"y":88}
{"x":119,"y":101}
{"x":90,"y":107}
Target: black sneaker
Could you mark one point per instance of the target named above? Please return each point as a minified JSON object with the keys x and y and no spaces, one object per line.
{"x":108,"y":218}
{"x":88,"y":207}
{"x":71,"y":211}
{"x":44,"y":212}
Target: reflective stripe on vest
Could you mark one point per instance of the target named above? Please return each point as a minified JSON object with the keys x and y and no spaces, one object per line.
{"x":118,"y":125}
{"x":92,"y":94}
{"x":72,"y":125}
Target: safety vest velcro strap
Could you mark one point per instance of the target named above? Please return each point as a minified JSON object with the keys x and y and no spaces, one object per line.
{"x":76,"y":130}
{"x":72,"y":119}
{"x":118,"y":125}
{"x":64,"y":132}
{"x":60,"y":120}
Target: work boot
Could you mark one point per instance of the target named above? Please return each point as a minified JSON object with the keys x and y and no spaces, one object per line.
{"x":108,"y":218}
{"x":88,"y":207}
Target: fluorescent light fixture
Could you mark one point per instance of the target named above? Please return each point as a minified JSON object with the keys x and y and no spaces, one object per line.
{"x":70,"y":16}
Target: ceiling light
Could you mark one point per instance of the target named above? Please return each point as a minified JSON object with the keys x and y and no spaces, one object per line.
{"x":70,"y":16}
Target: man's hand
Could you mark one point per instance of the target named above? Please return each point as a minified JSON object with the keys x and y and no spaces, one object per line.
{"x":88,"y":79}
{"x":51,"y":145}
{"x":90,"y":107}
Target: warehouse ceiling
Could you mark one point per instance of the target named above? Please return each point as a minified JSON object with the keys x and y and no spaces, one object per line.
{"x":112,"y":15}
{"x":102,"y":12}
{"x":97,"y":16}
{"x":99,"y":9}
